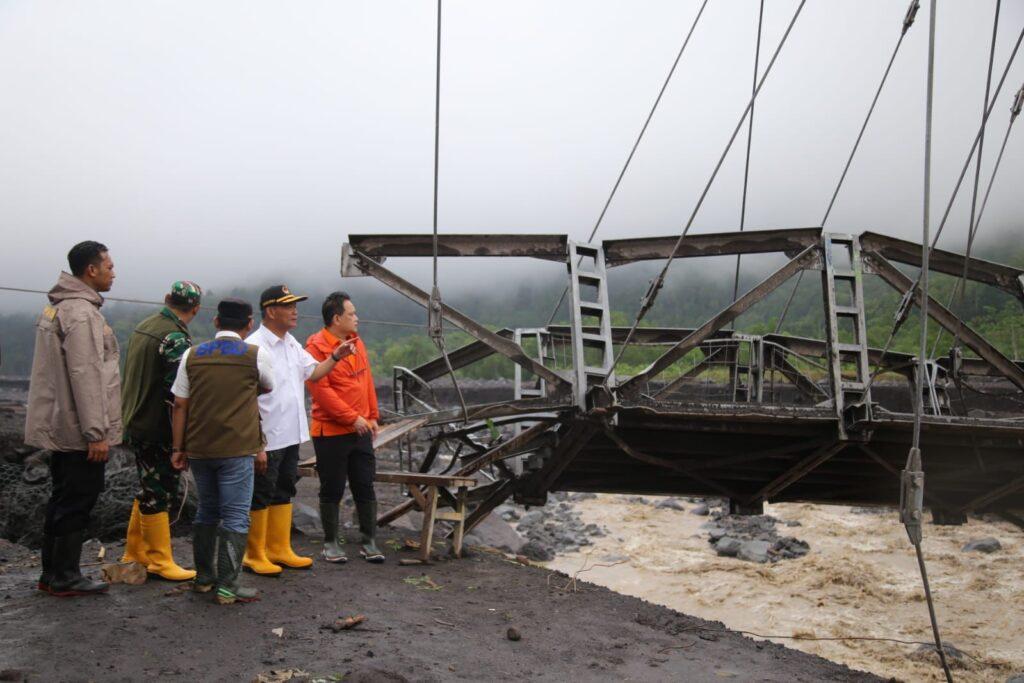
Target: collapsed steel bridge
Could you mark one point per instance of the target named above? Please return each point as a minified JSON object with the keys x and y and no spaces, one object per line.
{"x":749,"y":418}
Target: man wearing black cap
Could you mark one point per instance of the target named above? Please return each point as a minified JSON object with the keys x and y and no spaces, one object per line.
{"x":216,"y":430}
{"x":283,"y":412}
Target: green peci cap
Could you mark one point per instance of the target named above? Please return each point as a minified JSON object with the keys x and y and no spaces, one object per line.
{"x":186,"y":293}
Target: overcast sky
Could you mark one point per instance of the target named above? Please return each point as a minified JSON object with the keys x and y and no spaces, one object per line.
{"x":233,"y":141}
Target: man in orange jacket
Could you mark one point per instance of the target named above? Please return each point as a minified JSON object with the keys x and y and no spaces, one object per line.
{"x":343,"y":426}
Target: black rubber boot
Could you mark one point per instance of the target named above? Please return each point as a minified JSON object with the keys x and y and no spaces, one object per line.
{"x":67,"y":574}
{"x":332,"y":550}
{"x":46,"y":557}
{"x":229,"y":566}
{"x":367,"y":514}
{"x":204,"y":556}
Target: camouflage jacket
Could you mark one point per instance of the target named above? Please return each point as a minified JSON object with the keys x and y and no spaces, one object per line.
{"x":151,"y":362}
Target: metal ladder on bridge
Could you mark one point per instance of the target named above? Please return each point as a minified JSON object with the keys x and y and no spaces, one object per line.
{"x":843,"y":281}
{"x":588,"y":308}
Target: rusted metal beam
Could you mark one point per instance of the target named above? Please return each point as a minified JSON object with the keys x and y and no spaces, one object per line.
{"x":664,"y":462}
{"x":727,"y":315}
{"x":504,"y":449}
{"x":547,"y":247}
{"x":1005,"y":278}
{"x":992,"y":496}
{"x":790,"y":241}
{"x":505,"y":347}
{"x":577,"y":436}
{"x":523,"y":406}
{"x":486,"y":506}
{"x":797,"y":472}
{"x":888,"y":467}
{"x":461,"y":357}
{"x":943,"y":316}
{"x":802,"y":382}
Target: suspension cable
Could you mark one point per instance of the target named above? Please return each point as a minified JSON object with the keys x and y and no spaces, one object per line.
{"x":908,"y":21}
{"x":657,"y":283}
{"x":913,"y":469}
{"x":903,"y":309}
{"x":636,"y":144}
{"x":435,"y":308}
{"x":972,"y":224}
{"x":746,"y":164}
{"x":147,"y":302}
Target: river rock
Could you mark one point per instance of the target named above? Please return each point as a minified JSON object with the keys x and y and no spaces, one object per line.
{"x":495,"y":532}
{"x":728,"y":546}
{"x":982,"y":545}
{"x":754,"y":551}
{"x":1018,"y":678}
{"x":701,"y":510}
{"x":537,"y":551}
{"x":670,"y":504}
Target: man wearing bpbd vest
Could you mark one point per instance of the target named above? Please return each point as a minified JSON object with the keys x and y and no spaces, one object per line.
{"x":216,"y":430}
{"x":284,"y":422}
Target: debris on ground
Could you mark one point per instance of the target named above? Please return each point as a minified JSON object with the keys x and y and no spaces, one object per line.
{"x":131,"y":573}
{"x":344,"y":624}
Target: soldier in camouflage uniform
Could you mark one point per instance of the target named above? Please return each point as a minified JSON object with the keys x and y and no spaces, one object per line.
{"x":151,"y":363}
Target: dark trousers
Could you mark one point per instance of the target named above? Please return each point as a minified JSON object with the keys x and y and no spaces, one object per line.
{"x":349,"y":456}
{"x":77,"y":484}
{"x":276,"y":486}
{"x":158,"y":480}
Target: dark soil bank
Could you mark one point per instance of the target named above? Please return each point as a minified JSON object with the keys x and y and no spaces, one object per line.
{"x":453,"y":626}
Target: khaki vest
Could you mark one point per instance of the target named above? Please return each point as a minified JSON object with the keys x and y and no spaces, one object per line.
{"x":223,"y":413}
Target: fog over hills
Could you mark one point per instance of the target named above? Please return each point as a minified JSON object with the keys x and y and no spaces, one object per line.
{"x":236,"y":143}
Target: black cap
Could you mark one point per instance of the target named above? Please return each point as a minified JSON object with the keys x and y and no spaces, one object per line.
{"x":278,"y":295}
{"x":235,"y":311}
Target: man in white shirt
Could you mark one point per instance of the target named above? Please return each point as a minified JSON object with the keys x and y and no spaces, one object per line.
{"x":283,"y":414}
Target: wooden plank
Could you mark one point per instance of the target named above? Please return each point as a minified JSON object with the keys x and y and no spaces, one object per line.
{"x":460,"y":525}
{"x":418,"y":479}
{"x":417,"y":496}
{"x":427,"y":533}
{"x":393,"y":431}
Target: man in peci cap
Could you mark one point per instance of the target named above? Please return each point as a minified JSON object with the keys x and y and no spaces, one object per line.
{"x":151,"y":363}
{"x":283,"y":412}
{"x":216,"y":432}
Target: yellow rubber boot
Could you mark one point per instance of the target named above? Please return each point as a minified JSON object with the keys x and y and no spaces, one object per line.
{"x":156,"y":530}
{"x":279,"y":538}
{"x":255,"y":559}
{"x":135,"y":545}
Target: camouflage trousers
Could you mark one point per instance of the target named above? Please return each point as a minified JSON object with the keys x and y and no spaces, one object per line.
{"x":158,"y":480}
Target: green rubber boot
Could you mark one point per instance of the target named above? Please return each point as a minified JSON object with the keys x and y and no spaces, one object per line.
{"x":204,"y":552}
{"x":332,"y":551}
{"x":229,"y":566}
{"x":367,"y":513}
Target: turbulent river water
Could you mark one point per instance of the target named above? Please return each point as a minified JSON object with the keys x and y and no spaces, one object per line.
{"x":860,"y":579}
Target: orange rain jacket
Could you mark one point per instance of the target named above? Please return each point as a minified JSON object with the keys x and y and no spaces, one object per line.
{"x":346,"y":393}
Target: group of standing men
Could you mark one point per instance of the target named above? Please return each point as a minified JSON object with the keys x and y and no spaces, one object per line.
{"x":231,"y":409}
